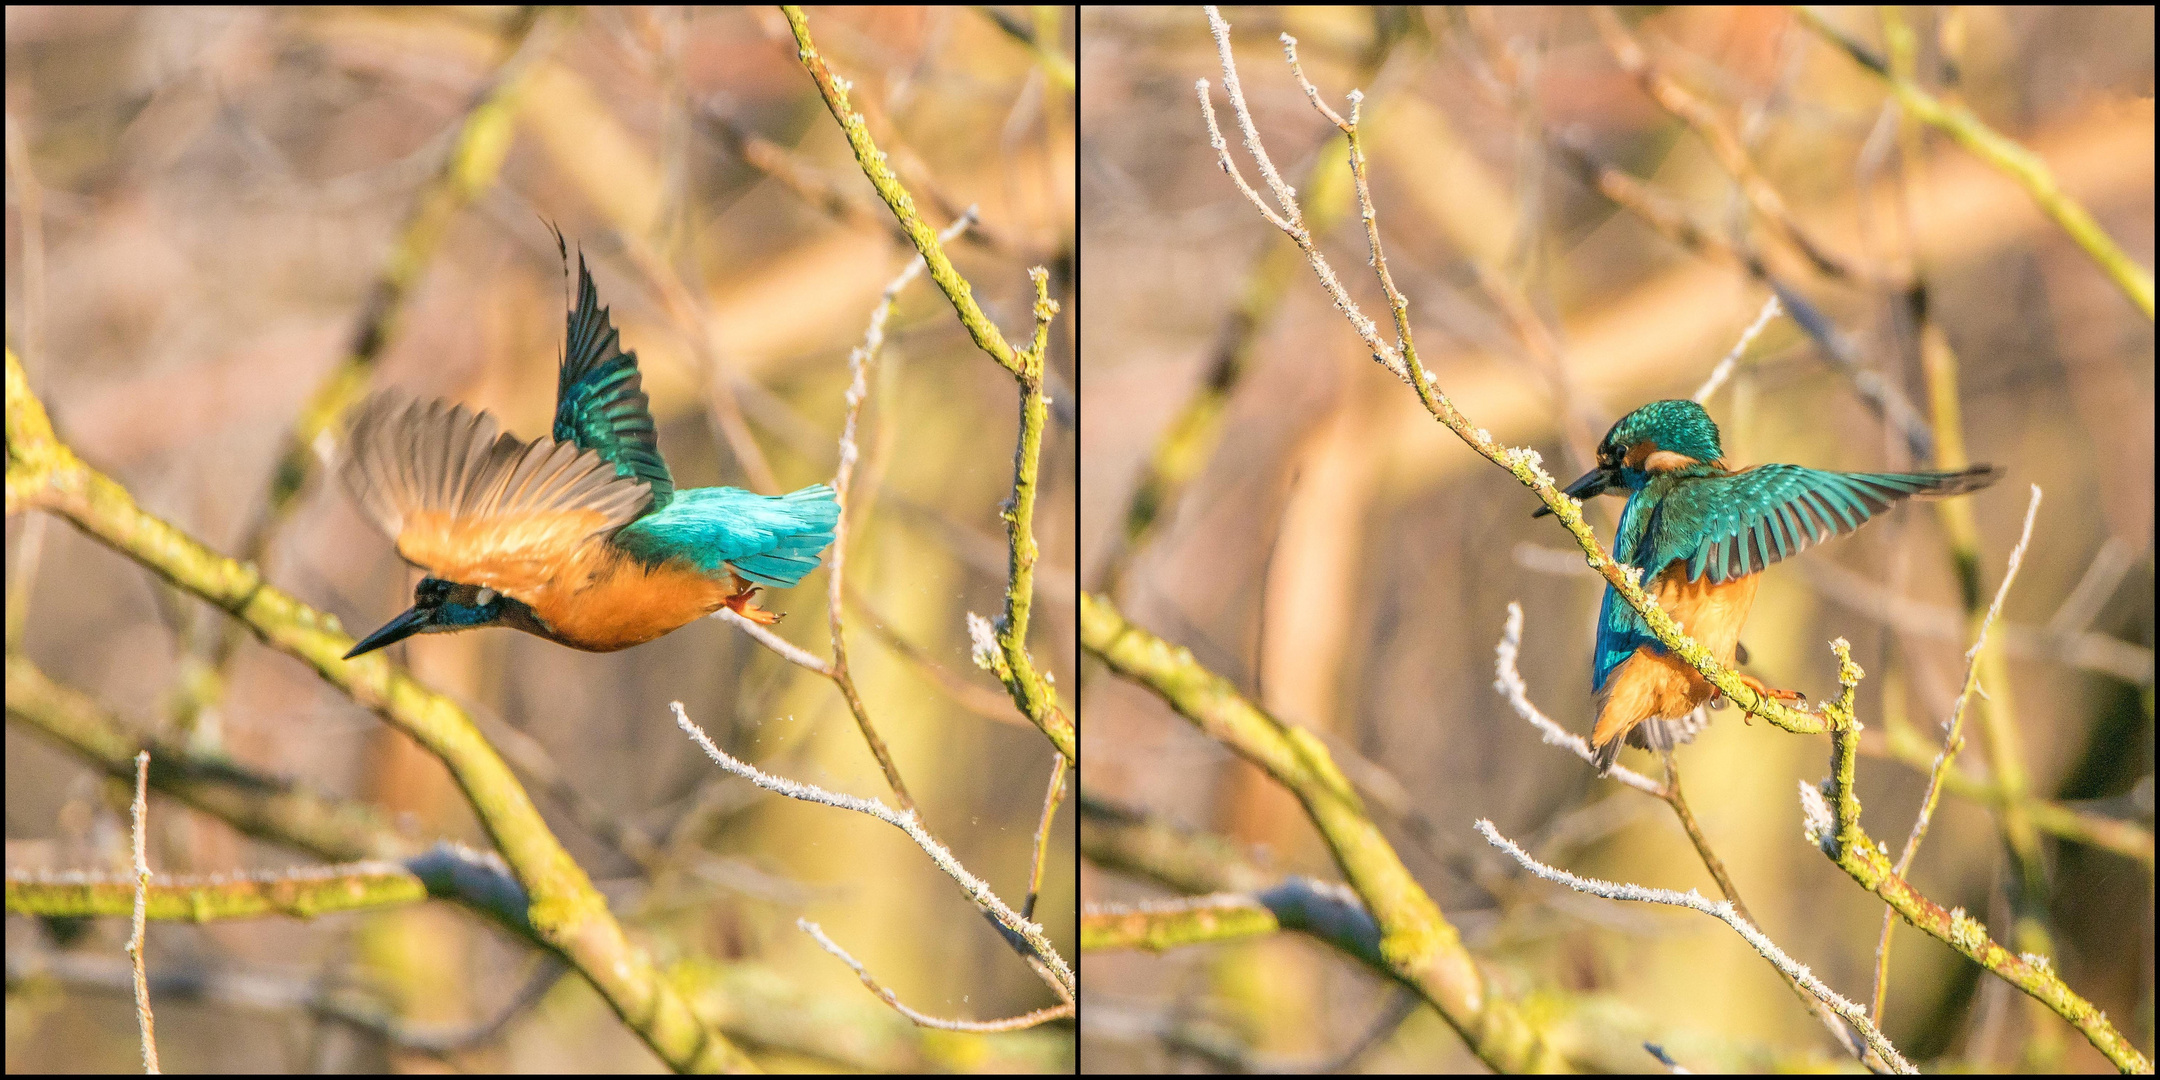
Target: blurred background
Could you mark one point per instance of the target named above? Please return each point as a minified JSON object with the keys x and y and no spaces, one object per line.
{"x":1259,"y":490}
{"x":208,"y":211}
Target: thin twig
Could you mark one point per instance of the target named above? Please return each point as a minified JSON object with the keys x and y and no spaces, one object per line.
{"x":1724,"y":369}
{"x":1051,"y":799}
{"x":1016,"y":1023}
{"x":1061,"y":976}
{"x":788,"y":650}
{"x":1954,"y":739}
{"x":1509,"y":682}
{"x":1723,"y":911}
{"x":1398,"y":305}
{"x":138,"y":827}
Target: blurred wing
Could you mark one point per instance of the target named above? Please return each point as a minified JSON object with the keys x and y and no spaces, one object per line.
{"x":1733,"y":526}
{"x":600,"y":401}
{"x":472,"y":505}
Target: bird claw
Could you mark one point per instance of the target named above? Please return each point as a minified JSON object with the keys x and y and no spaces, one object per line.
{"x":742,"y":604}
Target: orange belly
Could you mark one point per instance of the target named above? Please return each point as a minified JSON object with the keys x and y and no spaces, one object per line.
{"x":608,"y":601}
{"x":1654,"y":685}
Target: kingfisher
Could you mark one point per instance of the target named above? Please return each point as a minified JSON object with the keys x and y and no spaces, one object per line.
{"x":1701,"y":532}
{"x":583,"y":538}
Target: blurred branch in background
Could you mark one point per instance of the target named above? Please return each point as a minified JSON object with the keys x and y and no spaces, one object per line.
{"x":1420,"y":947}
{"x":2003,"y":154}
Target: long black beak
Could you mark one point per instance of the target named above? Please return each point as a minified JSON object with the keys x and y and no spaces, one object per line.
{"x":404,"y":626}
{"x":1589,"y":485}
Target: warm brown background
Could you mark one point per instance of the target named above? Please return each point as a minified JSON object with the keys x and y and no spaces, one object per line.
{"x":1347,"y":561}
{"x":218,"y":190}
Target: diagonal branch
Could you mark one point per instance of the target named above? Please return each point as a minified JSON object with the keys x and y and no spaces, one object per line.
{"x":1037,"y":944}
{"x":1792,"y":969}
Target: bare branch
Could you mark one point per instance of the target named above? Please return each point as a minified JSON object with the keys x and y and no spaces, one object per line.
{"x":138,"y":826}
{"x":1016,"y":1023}
{"x":986,"y":899}
{"x":1761,"y":942}
{"x":1724,"y":369}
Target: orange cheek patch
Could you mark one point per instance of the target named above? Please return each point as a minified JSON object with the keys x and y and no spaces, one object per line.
{"x":1646,"y":456}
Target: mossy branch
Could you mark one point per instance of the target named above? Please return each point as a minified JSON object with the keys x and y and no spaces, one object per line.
{"x":1030,"y":688}
{"x":1417,"y":943}
{"x":1833,"y":824}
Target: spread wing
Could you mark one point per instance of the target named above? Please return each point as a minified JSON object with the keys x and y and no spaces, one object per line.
{"x":600,"y":401}
{"x":470,"y":504}
{"x":1733,"y":526}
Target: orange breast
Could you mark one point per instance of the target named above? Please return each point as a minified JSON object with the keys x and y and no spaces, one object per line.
{"x":1651,"y":685}
{"x":604,"y":600}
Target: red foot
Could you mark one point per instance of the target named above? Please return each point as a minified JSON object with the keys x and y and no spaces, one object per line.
{"x":742,"y":604}
{"x":1771,"y":692}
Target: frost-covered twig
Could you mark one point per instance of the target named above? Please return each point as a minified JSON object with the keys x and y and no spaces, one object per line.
{"x":1761,"y":942}
{"x":1509,"y":682}
{"x":976,"y":889}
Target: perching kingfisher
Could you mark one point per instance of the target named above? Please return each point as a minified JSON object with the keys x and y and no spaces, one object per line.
{"x":581,"y":539}
{"x":1701,"y":533}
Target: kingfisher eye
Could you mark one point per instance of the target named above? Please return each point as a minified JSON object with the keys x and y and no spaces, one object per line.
{"x":486,"y":597}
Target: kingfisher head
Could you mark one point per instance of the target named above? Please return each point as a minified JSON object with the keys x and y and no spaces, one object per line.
{"x":1659,"y":437}
{"x":440,"y":607}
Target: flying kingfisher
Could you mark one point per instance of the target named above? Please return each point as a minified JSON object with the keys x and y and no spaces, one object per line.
{"x":581,"y":539}
{"x":1701,"y":533}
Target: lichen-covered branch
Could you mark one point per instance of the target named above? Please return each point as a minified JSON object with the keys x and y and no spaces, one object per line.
{"x":1013,"y":664}
{"x":1327,"y":912}
{"x":1831,"y":816}
{"x":1417,"y":943}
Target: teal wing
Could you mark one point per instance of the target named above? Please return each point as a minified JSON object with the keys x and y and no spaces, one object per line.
{"x":600,"y":401}
{"x":772,"y":540}
{"x":1732,"y":526}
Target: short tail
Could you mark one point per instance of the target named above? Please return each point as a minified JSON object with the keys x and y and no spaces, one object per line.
{"x":1606,"y":756}
{"x":812,"y":514}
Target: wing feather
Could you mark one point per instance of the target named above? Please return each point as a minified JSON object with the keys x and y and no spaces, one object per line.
{"x":471,"y":504}
{"x":1732,"y":526}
